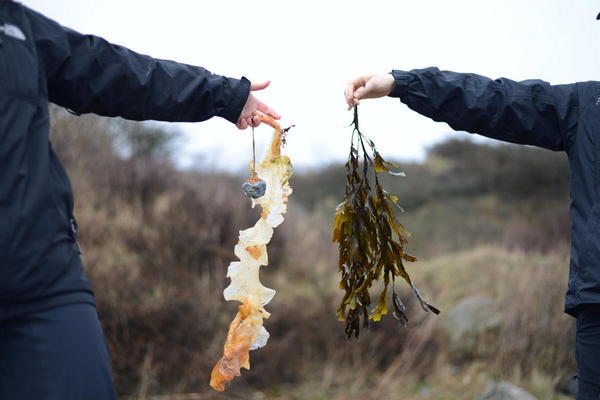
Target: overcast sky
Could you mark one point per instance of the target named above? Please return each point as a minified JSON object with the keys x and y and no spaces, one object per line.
{"x":310,"y":49}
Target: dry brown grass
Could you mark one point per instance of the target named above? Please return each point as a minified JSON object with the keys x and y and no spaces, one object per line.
{"x":157,"y":242}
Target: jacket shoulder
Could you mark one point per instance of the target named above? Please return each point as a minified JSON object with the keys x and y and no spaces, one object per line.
{"x":587,"y":92}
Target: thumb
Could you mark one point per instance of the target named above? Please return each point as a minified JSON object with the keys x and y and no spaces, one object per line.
{"x":259,"y":86}
{"x":360,"y":93}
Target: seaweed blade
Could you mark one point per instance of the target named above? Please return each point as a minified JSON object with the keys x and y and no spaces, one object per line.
{"x":371,"y":240}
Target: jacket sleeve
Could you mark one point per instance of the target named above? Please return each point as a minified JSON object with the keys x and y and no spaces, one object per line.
{"x":529,"y":112}
{"x":87,"y":74}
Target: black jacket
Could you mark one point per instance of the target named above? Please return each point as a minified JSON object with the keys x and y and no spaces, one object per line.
{"x":557,"y":117}
{"x":41,"y":61}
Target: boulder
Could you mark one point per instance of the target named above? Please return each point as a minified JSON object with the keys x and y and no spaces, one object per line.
{"x":469,"y":323}
{"x":504,"y":391}
{"x":567,"y":385}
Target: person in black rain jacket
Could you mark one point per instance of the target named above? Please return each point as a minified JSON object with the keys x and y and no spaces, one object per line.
{"x":51,"y":344}
{"x":556,"y":117}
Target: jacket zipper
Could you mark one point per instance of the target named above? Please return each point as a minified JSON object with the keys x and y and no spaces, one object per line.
{"x":72,"y":221}
{"x":62,"y":175}
{"x":73,"y":227}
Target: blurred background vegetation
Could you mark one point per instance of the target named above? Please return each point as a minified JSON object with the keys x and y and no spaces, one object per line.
{"x":490,"y":229}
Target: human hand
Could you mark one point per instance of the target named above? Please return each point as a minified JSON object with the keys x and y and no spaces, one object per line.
{"x":253,"y":109}
{"x":368,"y":86}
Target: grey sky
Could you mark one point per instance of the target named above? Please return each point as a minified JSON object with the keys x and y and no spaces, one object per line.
{"x":310,"y":49}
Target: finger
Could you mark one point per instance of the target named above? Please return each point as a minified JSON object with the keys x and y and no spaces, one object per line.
{"x":352,"y":87}
{"x":349,"y":98}
{"x":242,"y":124}
{"x":255,"y":121}
{"x":360,"y":93}
{"x":349,"y":92}
{"x":348,"y":95}
{"x":259,"y":86}
{"x":268,"y":110}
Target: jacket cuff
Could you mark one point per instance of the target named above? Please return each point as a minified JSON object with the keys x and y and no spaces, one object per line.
{"x":239,"y":92}
{"x":402,"y":80}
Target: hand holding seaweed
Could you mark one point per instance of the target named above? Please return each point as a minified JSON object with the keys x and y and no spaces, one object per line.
{"x":371,"y":240}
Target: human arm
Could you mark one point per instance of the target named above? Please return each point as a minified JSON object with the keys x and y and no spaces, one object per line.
{"x":530,"y":112}
{"x":86,"y":74}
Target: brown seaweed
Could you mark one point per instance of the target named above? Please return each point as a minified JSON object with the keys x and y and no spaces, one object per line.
{"x":371,"y":240}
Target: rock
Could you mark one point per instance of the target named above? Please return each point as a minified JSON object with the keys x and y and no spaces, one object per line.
{"x":567,"y":385}
{"x":504,"y":391}
{"x":425,"y":393}
{"x":254,"y":189}
{"x":469,"y":323}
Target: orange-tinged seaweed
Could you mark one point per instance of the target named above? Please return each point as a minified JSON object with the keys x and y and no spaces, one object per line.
{"x":246,"y":331}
